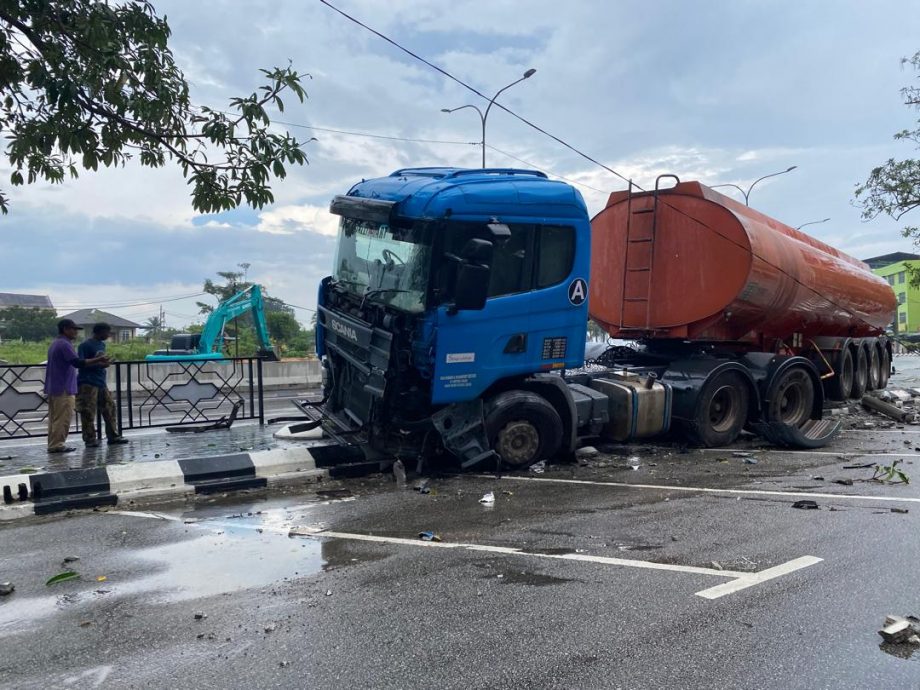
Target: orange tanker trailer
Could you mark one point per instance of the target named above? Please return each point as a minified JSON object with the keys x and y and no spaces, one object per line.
{"x":702,"y":280}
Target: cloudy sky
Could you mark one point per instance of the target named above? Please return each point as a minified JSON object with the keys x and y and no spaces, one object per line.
{"x":719,"y":91}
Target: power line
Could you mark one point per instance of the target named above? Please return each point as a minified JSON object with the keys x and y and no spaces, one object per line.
{"x":121,"y":305}
{"x":376,"y":136}
{"x":537,"y":167}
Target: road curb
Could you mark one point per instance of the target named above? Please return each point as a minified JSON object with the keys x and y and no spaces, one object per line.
{"x":108,"y":485}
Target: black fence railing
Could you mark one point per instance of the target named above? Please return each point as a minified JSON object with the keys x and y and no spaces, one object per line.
{"x":146,"y":394}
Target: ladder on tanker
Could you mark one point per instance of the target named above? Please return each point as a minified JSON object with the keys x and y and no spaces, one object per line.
{"x":639,"y":258}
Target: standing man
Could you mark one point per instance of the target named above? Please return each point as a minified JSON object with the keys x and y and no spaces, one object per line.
{"x":92,"y":392}
{"x":61,"y":383}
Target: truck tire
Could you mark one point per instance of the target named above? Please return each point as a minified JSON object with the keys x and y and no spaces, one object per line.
{"x":884,"y":371}
{"x":838,"y":387}
{"x":873,"y":370}
{"x":860,"y":374}
{"x":721,"y":410}
{"x":523,"y":428}
{"x":792,"y":398}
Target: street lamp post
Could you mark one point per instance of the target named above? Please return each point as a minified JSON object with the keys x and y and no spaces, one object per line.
{"x":747,"y":194}
{"x":811,"y":222}
{"x":483,"y":116}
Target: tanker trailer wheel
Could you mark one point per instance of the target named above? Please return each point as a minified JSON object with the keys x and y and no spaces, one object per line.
{"x":792,"y":398}
{"x":522,"y":428}
{"x":860,"y":375}
{"x":839,"y":386}
{"x":873,"y":372}
{"x":721,"y":410}
{"x":884,"y":370}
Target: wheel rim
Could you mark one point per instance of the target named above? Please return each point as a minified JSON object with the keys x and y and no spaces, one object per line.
{"x":518,"y":442}
{"x":874,"y":373}
{"x":846,"y":376}
{"x":723,"y":409}
{"x":792,"y":400}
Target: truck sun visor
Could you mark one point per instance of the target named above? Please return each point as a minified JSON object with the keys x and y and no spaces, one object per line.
{"x":372,"y":210}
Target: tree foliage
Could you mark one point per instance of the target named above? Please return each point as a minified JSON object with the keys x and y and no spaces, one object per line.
{"x":30,"y":324}
{"x":89,"y":83}
{"x":893,"y":188}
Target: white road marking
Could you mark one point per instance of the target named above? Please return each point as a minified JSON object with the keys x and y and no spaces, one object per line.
{"x":739,"y":580}
{"x":751,"y":579}
{"x":703,"y":489}
{"x":838,"y":454}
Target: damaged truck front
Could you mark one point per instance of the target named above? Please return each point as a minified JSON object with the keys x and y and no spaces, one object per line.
{"x":456,"y":314}
{"x":450,"y":294}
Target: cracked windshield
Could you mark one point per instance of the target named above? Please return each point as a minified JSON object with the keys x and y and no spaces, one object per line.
{"x":370,"y":261}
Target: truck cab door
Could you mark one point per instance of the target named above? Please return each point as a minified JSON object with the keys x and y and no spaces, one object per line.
{"x":525,"y":321}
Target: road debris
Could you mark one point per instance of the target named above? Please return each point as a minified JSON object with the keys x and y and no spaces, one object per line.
{"x":429,"y":536}
{"x":903,"y":511}
{"x":488,"y":498}
{"x":62,"y":577}
{"x":335,"y":493}
{"x":864,"y":466}
{"x":805,"y":505}
{"x":200,"y":616}
{"x":844,"y":482}
{"x":271,"y":627}
{"x":6,"y":588}
{"x":399,"y":473}
{"x":716,"y":565}
{"x":901,"y":630}
{"x":538,"y":467}
{"x":633,"y":462}
{"x":586,"y":452}
{"x":896,"y":413}
{"x":422,"y":486}
{"x":328,"y":592}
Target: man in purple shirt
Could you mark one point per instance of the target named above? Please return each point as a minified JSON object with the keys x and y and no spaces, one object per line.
{"x":61,"y":383}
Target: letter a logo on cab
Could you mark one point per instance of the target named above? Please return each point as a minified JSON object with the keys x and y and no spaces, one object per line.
{"x":578,"y":292}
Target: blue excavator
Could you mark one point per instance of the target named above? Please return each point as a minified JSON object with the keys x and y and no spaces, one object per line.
{"x":208,"y":345}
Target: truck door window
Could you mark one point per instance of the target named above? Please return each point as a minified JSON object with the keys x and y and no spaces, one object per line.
{"x":511,"y":262}
{"x":557,"y":254}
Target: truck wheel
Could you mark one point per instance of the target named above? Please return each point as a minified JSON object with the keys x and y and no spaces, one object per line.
{"x":860,"y":375}
{"x":792,"y":398}
{"x":884,"y":369}
{"x":839,"y":386}
{"x":721,"y":410}
{"x":523,"y":428}
{"x":873,"y":371}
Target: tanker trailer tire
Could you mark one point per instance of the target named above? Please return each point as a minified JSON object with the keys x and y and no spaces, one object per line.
{"x":873,"y":372}
{"x":884,"y":371}
{"x":860,"y":374}
{"x":523,"y":428}
{"x":792,"y":398}
{"x":839,"y":386}
{"x":721,"y":410}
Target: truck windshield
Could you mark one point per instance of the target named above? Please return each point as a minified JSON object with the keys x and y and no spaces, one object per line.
{"x":387,"y":265}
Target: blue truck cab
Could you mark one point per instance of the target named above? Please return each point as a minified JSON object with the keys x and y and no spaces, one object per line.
{"x":454,"y":296}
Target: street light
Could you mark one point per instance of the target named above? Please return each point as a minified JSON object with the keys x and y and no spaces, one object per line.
{"x":811,"y":222}
{"x":747,"y":193}
{"x":483,"y":116}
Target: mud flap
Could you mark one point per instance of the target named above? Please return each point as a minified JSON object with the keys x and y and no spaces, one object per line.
{"x":463,"y":432}
{"x":814,"y":433}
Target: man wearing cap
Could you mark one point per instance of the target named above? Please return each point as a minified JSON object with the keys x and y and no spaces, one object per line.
{"x":61,"y":383}
{"x":92,"y":392}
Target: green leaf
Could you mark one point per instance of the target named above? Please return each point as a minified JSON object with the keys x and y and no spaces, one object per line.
{"x":62,"y":577}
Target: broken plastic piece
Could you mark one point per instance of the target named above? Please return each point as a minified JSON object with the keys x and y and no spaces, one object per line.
{"x":488,"y":498}
{"x":538,"y":467}
{"x":429,"y":536}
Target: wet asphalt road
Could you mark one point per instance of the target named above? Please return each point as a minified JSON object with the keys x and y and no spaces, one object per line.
{"x":312,"y":611}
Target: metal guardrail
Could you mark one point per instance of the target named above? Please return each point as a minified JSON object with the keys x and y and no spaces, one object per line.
{"x":146,"y":394}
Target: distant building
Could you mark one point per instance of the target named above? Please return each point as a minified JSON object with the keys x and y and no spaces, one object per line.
{"x":907,"y":318}
{"x":888,"y":259}
{"x":122,"y":329}
{"x":12,"y":299}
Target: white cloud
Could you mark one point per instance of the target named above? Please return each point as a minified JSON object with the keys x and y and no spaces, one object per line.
{"x":286,"y":220}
